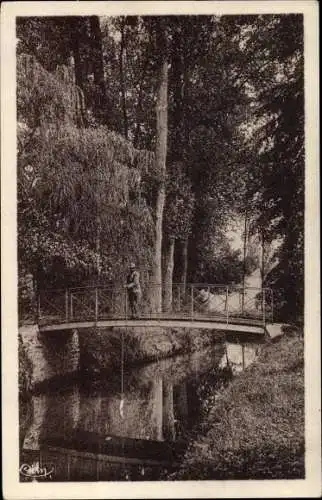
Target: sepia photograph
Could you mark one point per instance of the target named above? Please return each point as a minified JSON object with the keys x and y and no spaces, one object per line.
{"x":161,"y":211}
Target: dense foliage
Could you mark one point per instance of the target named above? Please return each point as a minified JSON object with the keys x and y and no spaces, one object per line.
{"x":276,"y":199}
{"x":75,"y":186}
{"x":89,"y":185}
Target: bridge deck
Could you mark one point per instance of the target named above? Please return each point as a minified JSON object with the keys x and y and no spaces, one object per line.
{"x":237,"y":325}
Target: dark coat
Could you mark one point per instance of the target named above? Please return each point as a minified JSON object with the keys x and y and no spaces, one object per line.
{"x":133,"y":282}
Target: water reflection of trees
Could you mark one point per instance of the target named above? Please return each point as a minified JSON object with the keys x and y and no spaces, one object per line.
{"x":162,"y":401}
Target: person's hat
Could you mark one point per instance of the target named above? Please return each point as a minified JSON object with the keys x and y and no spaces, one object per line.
{"x":132,"y":265}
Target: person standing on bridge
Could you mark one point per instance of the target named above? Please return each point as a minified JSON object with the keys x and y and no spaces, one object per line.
{"x":133,"y":289}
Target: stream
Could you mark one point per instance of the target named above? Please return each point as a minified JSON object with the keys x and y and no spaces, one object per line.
{"x":133,"y":425}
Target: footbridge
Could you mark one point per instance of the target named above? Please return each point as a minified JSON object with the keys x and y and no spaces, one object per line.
{"x":219,"y":307}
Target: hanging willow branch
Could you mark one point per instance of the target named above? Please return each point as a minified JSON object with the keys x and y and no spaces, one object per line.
{"x":72,"y":179}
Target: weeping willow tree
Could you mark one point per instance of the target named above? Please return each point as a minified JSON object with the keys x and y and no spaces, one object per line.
{"x":82,"y":209}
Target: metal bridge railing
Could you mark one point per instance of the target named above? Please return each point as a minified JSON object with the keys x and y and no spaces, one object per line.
{"x":193,"y":301}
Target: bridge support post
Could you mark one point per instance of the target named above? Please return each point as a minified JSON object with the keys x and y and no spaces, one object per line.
{"x":66,"y":306}
{"x":264,"y":306}
{"x":71,"y":307}
{"x":192,"y":299}
{"x":38,"y":307}
{"x":125,"y":304}
{"x":96,"y":304}
{"x":227,"y":309}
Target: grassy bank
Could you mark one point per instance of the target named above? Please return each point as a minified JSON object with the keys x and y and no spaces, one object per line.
{"x":255,"y":430}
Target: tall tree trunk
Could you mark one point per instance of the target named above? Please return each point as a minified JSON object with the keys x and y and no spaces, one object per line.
{"x":244,"y":260}
{"x":168,"y":275}
{"x":98,"y":248}
{"x":79,"y":79}
{"x":160,"y":158}
{"x":140,"y":102}
{"x":98,"y":68}
{"x":184,"y":266}
{"x":176,"y":144}
{"x":78,"y":27}
{"x":186,"y":126}
{"x":262,"y":268}
{"x":122,"y":80}
{"x":96,"y":35}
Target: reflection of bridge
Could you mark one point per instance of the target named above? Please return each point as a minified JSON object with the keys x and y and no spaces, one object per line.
{"x":82,"y":433}
{"x":221,"y":307}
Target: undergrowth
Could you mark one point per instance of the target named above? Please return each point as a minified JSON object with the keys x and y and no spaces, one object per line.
{"x":256,"y":429}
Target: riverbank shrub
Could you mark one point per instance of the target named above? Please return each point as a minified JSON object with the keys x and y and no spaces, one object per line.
{"x":256,"y":429}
